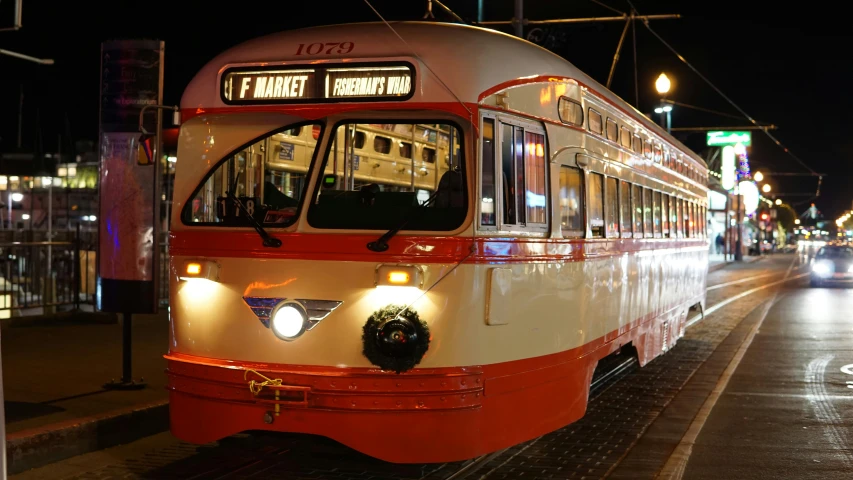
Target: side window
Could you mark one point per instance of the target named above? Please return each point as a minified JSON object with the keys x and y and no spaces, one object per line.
{"x":570,"y":111}
{"x":625,"y":137}
{"x":594,"y":121}
{"x":680,"y":217}
{"x":428,"y":154}
{"x":664,"y":214}
{"x":571,"y":202}
{"x":648,"y":230}
{"x":656,"y":211}
{"x":666,"y":158}
{"x":647,"y":149}
{"x":406,"y":149}
{"x":611,"y":207}
{"x":637,"y":204}
{"x":534,"y":167}
{"x":612,"y":130}
{"x":523,"y":176}
{"x":658,"y":154}
{"x":637,"y":144}
{"x":381,"y":144}
{"x":596,"y":204}
{"x":625,"y":220}
{"x":358,"y":139}
{"x":673,"y":217}
{"x":489,"y":199}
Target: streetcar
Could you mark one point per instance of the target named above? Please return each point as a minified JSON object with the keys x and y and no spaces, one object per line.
{"x":417,"y":239}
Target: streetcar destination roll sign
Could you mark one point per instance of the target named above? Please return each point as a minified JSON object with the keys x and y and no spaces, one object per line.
{"x":301,"y":84}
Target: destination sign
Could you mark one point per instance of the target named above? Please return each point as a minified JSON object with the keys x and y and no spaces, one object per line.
{"x":298,"y":84}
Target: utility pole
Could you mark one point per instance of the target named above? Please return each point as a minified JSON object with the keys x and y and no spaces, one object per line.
{"x":518,"y":19}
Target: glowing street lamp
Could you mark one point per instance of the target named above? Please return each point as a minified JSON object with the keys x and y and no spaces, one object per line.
{"x":662,"y":84}
{"x":758,"y":176}
{"x":796,"y":221}
{"x":766,"y":188}
{"x":778,"y":201}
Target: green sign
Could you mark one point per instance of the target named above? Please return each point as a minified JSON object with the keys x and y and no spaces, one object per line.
{"x":720,"y":138}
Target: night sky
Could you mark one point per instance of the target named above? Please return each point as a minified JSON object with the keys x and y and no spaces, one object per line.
{"x":786,"y":66}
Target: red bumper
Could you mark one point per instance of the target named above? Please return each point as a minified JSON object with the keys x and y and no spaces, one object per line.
{"x":421,"y":416}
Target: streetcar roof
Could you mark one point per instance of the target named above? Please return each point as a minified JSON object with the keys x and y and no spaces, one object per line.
{"x":470,"y":61}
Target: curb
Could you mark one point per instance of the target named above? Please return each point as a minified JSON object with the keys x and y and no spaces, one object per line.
{"x":59,"y":319}
{"x":40,"y":446}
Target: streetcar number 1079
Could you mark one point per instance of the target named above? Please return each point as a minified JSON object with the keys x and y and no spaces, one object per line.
{"x":339,"y":48}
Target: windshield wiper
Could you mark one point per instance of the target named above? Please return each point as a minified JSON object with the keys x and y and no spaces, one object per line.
{"x":381,"y":243}
{"x":269,"y":240}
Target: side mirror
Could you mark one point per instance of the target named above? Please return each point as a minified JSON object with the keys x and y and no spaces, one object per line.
{"x":145,"y":155}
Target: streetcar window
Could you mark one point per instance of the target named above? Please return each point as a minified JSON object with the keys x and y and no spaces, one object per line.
{"x":658,"y":154}
{"x":596,"y":205}
{"x":428,"y":154}
{"x":656,"y":213}
{"x":688,"y":219}
{"x":405,"y":150}
{"x":625,"y":138}
{"x":673,"y":217}
{"x":268,"y":177}
{"x":382,"y":192}
{"x":594,"y":121}
{"x":637,"y":204}
{"x":648,"y":226}
{"x":523,"y":170}
{"x":638,"y":144}
{"x":664,"y":214}
{"x":680,"y":218}
{"x":487,"y":203}
{"x":611,"y":207}
{"x":647,"y":149}
{"x":666,"y":158}
{"x":612,"y":130}
{"x":358,"y":139}
{"x":625,"y":220}
{"x":570,"y":111}
{"x":571,"y":202}
{"x":381,"y":145}
{"x":534,"y":169}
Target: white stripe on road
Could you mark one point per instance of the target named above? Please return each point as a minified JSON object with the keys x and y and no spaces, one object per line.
{"x":714,"y":287}
{"x":727,"y":301}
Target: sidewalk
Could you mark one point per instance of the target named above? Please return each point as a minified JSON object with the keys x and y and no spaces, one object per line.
{"x":718,"y":261}
{"x":52,"y":384}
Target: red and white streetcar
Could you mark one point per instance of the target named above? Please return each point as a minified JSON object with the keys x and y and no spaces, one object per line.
{"x":418,"y":240}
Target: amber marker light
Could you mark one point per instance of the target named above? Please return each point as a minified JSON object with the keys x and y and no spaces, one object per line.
{"x":398,"y":276}
{"x":199,"y":270}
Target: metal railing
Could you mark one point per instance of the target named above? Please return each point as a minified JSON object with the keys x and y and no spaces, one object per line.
{"x":37,"y":274}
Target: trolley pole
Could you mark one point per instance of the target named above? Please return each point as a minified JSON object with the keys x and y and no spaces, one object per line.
{"x":518,"y":19}
{"x":739,"y":226}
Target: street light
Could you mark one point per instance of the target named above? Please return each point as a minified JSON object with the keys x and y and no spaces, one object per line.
{"x":663,"y":85}
{"x":758,"y":176}
{"x":778,"y":201}
{"x":796,"y":221}
{"x":766,"y":188}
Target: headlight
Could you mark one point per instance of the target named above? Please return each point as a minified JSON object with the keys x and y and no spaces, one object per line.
{"x":821,"y":268}
{"x":850,"y":270}
{"x":288,"y":320}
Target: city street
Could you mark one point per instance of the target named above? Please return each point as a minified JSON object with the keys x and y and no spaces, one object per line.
{"x":761,"y":373}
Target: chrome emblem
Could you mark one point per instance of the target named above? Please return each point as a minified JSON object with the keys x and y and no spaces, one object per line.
{"x":316,"y":309}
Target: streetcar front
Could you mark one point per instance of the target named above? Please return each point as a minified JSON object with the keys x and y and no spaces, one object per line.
{"x":319,"y":224}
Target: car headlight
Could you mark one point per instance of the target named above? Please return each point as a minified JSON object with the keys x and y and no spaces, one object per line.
{"x":288,"y":320}
{"x":821,"y":268}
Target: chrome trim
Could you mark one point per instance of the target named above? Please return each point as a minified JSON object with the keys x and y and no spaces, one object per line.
{"x":317,"y":310}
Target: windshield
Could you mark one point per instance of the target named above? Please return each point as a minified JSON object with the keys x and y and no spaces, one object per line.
{"x":375,"y":176}
{"x":835,"y":252}
{"x":268,"y":176}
